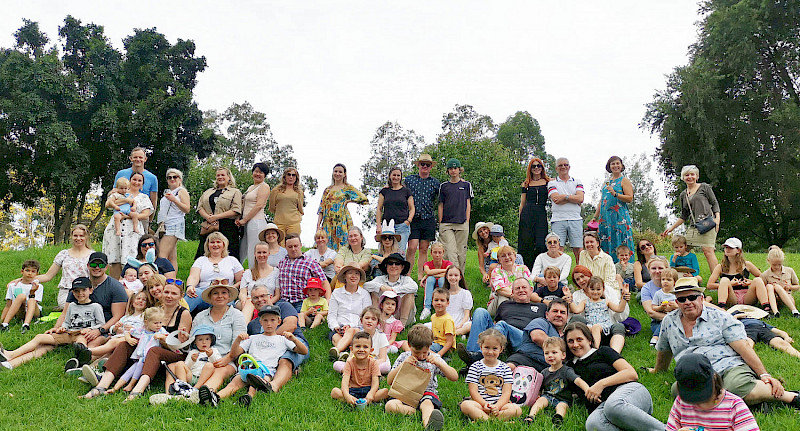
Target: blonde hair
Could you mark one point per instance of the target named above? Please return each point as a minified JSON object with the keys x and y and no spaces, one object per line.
{"x":216,"y":235}
{"x":231,"y":180}
{"x":122,"y":182}
{"x":297,"y":187}
{"x":156,"y":279}
{"x":690,"y":168}
{"x":775,"y":253}
{"x":176,"y":172}
{"x":555,"y":341}
{"x":129,"y":310}
{"x":552,"y":270}
{"x":505,"y":250}
{"x":438,"y":244}
{"x":671,"y":273}
{"x":320,"y":233}
{"x":659,"y":259}
{"x":384,"y":252}
{"x":737,"y":259}
{"x":86,"y":241}
{"x":152,"y":313}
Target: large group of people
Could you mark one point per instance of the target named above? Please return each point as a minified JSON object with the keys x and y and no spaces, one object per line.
{"x":127,"y":313}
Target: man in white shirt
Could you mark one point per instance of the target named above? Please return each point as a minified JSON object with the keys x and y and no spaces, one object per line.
{"x":567,"y":195}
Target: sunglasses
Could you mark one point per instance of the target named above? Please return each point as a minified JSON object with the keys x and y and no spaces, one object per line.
{"x":289,"y":174}
{"x":219,"y":282}
{"x":564,"y":165}
{"x":394,"y":264}
{"x":644,"y":246}
{"x":97,"y":265}
{"x":536,"y":166}
{"x":552,"y":242}
{"x":174,"y":281}
{"x":216,"y":267}
{"x":148,"y":244}
{"x":425,"y":165}
{"x":387,"y":237}
{"x":172,"y":177}
{"x":687,"y":298}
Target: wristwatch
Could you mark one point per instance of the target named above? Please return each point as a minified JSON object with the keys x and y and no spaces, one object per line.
{"x":103,"y":331}
{"x":32,"y":296}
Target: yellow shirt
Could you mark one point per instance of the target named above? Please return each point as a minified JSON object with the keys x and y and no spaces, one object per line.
{"x":321,"y":304}
{"x":442,"y":326}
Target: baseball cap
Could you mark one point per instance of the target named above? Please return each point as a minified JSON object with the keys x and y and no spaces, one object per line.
{"x":81,"y":283}
{"x":98,"y":256}
{"x":694,"y":375}
{"x":269,"y":309}
{"x":453,"y":163}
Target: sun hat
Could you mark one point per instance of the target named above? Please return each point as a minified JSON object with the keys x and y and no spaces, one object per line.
{"x":632,"y":326}
{"x":348,"y":267}
{"x":223,"y":282}
{"x":314,"y":283}
{"x":478,"y":226}
{"x":695,"y":378}
{"x":175,"y":343}
{"x":387,"y":228}
{"x":425,"y":158}
{"x":395,"y":257}
{"x":686,"y":284}
{"x":733,"y":242}
{"x":271,"y":226}
{"x":387,"y":294}
{"x":747,"y":311}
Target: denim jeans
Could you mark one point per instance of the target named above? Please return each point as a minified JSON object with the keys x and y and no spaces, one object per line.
{"x":197,"y":304}
{"x":481,"y":321}
{"x":430,"y":283}
{"x":629,"y":407}
{"x":404,"y":231}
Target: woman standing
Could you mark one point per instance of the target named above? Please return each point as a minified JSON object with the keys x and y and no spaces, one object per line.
{"x":172,"y":210}
{"x":213,"y":265}
{"x":698,"y":203}
{"x":598,"y":261}
{"x":533,"y":212}
{"x":118,"y":248}
{"x":396,"y":203}
{"x":220,"y":206}
{"x":334,"y":218}
{"x":612,"y":211}
{"x":253,"y":219}
{"x":287,"y":201}
{"x":72,"y":262}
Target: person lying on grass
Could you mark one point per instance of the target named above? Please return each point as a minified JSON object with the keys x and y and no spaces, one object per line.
{"x":361,"y":374}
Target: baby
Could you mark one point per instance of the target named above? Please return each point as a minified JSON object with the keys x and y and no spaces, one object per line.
{"x":123,"y":204}
{"x":131,"y":281}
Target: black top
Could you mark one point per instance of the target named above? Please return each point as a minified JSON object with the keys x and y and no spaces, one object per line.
{"x":519,"y":315}
{"x":395,"y":204}
{"x":596,"y":367}
{"x":178,"y":314}
{"x":453,"y":197}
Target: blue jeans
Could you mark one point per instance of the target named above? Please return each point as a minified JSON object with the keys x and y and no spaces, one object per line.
{"x":436,"y":347}
{"x":481,"y":321}
{"x":196,"y":305}
{"x":655,"y":327}
{"x":404,"y":231}
{"x":430,"y":283}
{"x":295,"y":358}
{"x":629,"y":407}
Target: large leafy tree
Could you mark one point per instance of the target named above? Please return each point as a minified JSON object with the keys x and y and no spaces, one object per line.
{"x":522,"y":135}
{"x":69,"y":117}
{"x":734,"y":111}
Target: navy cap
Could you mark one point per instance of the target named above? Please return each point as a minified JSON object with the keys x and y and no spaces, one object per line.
{"x":269,"y":309}
{"x":81,"y":283}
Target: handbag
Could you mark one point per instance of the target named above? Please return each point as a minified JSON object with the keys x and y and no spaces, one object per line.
{"x":526,"y":386}
{"x":208,"y":227}
{"x":409,"y":384}
{"x":703,"y":225}
{"x":161,"y":230}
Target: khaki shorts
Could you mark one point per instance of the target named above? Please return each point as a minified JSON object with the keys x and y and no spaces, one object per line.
{"x":66,"y":337}
{"x":694,"y":239}
{"x":739,"y":380}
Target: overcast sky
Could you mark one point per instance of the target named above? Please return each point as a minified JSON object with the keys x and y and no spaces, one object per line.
{"x":328,"y":73}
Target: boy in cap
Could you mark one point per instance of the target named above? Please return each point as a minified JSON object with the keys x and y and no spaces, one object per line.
{"x":455,"y":205}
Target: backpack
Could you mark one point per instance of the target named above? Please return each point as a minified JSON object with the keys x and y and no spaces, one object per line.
{"x":526,"y":385}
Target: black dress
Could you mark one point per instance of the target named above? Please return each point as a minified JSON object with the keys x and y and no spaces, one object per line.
{"x":533,"y":223}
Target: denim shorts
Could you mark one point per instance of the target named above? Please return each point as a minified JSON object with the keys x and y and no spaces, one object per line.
{"x":360,"y":392}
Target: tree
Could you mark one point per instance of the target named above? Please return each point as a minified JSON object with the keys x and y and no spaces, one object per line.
{"x":391,"y":146}
{"x":522,"y":135}
{"x":644,"y":208}
{"x":734,"y":111}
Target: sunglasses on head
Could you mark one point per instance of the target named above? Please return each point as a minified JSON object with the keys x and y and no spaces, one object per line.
{"x":97,"y":265}
{"x":216,"y":267}
{"x":174,"y":281}
{"x":683,"y":299}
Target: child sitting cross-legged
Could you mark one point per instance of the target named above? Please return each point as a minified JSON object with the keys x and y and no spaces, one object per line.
{"x":490,"y":381}
{"x":23,"y":297}
{"x":370,"y":323}
{"x":361,"y":374}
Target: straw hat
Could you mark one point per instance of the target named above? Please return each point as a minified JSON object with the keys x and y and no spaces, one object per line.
{"x":271,"y":226}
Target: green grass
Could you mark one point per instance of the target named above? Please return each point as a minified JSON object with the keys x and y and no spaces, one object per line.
{"x":39,"y":395}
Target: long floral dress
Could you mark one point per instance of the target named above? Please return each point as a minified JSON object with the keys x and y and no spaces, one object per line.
{"x":615,"y":221}
{"x":336,"y":220}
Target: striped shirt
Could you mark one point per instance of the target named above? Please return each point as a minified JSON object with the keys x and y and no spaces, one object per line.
{"x":294,"y":274}
{"x":730,"y":414}
{"x":490,"y":380}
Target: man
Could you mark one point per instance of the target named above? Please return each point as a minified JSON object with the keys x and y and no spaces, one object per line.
{"x":567,"y":195}
{"x":530,"y":353}
{"x":295,"y":270}
{"x":424,"y":189}
{"x":696,"y":327}
{"x":290,"y":361}
{"x":138,"y":158}
{"x":107,"y":292}
{"x":455,"y":206}
{"x":511,"y":318}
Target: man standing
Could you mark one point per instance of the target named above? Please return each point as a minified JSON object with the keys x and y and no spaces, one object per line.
{"x":530,"y":353}
{"x":567,"y":195}
{"x":455,"y":205}
{"x":150,"y":187}
{"x":424,"y":189}
{"x":295,"y":270}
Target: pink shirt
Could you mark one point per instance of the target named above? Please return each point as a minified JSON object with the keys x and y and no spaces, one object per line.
{"x":730,"y":414}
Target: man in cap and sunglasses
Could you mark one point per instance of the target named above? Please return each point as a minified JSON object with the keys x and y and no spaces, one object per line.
{"x":424,"y":189}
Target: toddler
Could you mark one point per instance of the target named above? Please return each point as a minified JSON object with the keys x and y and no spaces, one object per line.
{"x":130,"y":280}
{"x":683,"y":257}
{"x":199,"y":363}
{"x":498,"y":240}
{"x":781,"y":280}
{"x":123,"y":204}
{"x":391,"y":325}
{"x":370,"y":322}
{"x":663,"y":300}
{"x":315,"y":306}
{"x":361,"y":374}
{"x":552,"y":288}
{"x":443,"y":325}
{"x":434,"y":277}
{"x":151,"y":335}
{"x":624,"y":266}
{"x":489,"y":381}
{"x":598,"y":318}
{"x":557,"y":381}
{"x":460,"y":303}
{"x":23,"y":297}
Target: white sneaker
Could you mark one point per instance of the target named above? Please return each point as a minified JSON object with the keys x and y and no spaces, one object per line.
{"x":653,"y":340}
{"x":426,"y":313}
{"x":90,"y":376}
{"x":156,"y":399}
{"x":194,"y":397}
{"x":5,"y":365}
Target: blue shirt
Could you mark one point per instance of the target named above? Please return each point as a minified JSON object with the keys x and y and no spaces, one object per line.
{"x":425,"y":191}
{"x":532,"y":349}
{"x":150,"y":181}
{"x":689,"y":260}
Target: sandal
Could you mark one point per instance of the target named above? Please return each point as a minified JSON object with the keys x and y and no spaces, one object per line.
{"x":259,"y":383}
{"x":94,"y":392}
{"x":528,"y":420}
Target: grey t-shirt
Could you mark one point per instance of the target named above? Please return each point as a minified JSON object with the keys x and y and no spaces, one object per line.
{"x":108,"y":292}
{"x":559,"y":383}
{"x":82,"y":316}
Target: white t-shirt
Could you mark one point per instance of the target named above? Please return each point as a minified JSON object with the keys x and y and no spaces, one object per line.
{"x":20,"y":288}
{"x":379,"y":341}
{"x":329,"y":254}
{"x":270,"y":281}
{"x":267,"y":349}
{"x":228,"y":266}
{"x":563,"y":262}
{"x":134,"y":286}
{"x":569,"y":210}
{"x":458,"y":303}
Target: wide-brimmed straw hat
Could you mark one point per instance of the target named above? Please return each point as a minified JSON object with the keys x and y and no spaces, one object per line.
{"x":271,"y":226}
{"x":348,"y":267}
{"x":216,"y":284}
{"x":478,"y":226}
{"x":425,"y":158}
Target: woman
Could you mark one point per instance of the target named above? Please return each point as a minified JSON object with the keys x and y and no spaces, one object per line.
{"x":118,"y":248}
{"x":598,"y":261}
{"x":732,"y":280}
{"x":353,"y":251}
{"x":220,"y":206}
{"x":215,"y":263}
{"x":503,"y":277}
{"x":72,"y":262}
{"x":533,"y":212}
{"x":146,"y":242}
{"x":612,"y":212}
{"x":262,"y":273}
{"x":615,"y":399}
{"x":396,"y":204}
{"x":273,"y":237}
{"x":580,"y":278}
{"x":287,"y":201}
{"x":333,"y":216}
{"x":253,"y":219}
{"x":482,"y":240}
{"x":654,"y":266}
{"x":388,"y":243}
{"x":553,"y":257}
{"x":645,"y":250}
{"x":346,"y":305}
{"x":396,"y":279}
{"x":698,"y":203}
{"x":172,"y":210}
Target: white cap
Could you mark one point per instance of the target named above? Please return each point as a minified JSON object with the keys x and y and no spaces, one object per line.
{"x":733,"y":242}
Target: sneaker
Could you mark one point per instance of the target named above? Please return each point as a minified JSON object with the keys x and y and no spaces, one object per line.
{"x":343,"y":356}
{"x":466,"y":356}
{"x":3,"y":354}
{"x":194,"y":397}
{"x":426,"y":313}
{"x":653,"y":341}
{"x":25,"y":328}
{"x":207,"y":396}
{"x":796,"y":314}
{"x":157,"y":399}
{"x":74,"y":372}
{"x":89,"y":374}
{"x":71,"y":363}
{"x":84,"y":357}
{"x":435,"y":422}
{"x":463,"y":372}
{"x":333,"y":353}
{"x":392,"y":350}
{"x":558,"y":420}
{"x":5,"y":365}
{"x":245,"y":400}
{"x":259,"y":383}
{"x":4,"y":327}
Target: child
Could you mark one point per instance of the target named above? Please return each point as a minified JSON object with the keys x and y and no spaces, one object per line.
{"x":123,"y":204}
{"x":131,"y":281}
{"x":460,"y":303}
{"x":455,"y":199}
{"x":757,"y":330}
{"x":151,"y":335}
{"x":598,"y":318}
{"x":489,"y":382}
{"x":557,"y":382}
{"x":370,"y":322}
{"x":683,"y":257}
{"x":267,"y":348}
{"x":315,"y":306}
{"x":434,"y":277}
{"x":703,"y":403}
{"x":442,"y":323}
{"x":322,"y":254}
{"x":498,"y":240}
{"x":782,"y":279}
{"x":199,"y":363}
{"x":391,"y":325}
{"x":420,"y":339}
{"x":82,"y":316}
{"x":361,"y":374}
{"x":663,"y":300}
{"x":624,"y":267}
{"x":23,"y":297}
{"x":552,"y":288}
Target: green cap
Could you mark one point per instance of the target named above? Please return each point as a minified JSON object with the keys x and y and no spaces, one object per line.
{"x":453,"y":163}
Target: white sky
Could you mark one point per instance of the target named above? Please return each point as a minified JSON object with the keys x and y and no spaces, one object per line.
{"x":328,"y":73}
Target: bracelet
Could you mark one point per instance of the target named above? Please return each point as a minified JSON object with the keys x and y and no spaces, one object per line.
{"x":765,"y":374}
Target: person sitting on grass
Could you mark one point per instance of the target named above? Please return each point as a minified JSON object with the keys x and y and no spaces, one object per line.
{"x":557,"y":383}
{"x":757,"y":330}
{"x":444,"y":328}
{"x":489,"y":381}
{"x":81,"y":317}
{"x":420,"y":339}
{"x":781,"y":280}
{"x":683,"y":257}
{"x":396,"y":279}
{"x":732,"y":279}
{"x":196,"y":369}
{"x":663,"y":301}
{"x":551,"y":287}
{"x":598,"y":315}
{"x":361,"y":374}
{"x":315,"y":306}
{"x":370,"y":323}
{"x":624,"y":267}
{"x":434,"y":277}
{"x":461,"y":303}
{"x":391,"y":326}
{"x":345,"y":309}
{"x":151,"y":335}
{"x":23,"y":297}
{"x":267,"y":348}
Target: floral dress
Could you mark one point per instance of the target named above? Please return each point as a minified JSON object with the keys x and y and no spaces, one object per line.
{"x":336,"y":220}
{"x":615,"y":221}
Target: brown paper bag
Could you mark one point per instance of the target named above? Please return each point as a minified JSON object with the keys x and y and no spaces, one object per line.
{"x":409,"y":384}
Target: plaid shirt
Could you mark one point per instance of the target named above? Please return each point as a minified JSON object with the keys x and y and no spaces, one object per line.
{"x":294,"y":274}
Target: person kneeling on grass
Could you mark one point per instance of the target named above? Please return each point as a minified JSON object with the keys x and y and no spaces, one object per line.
{"x":420,"y":339}
{"x":557,"y":382}
{"x":489,"y":382}
{"x":267,"y":348}
{"x":361,"y":374}
{"x":81,"y":317}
